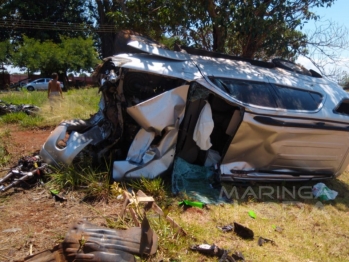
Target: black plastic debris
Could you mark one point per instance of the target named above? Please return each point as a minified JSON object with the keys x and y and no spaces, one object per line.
{"x":209,"y":250}
{"x":187,"y":204}
{"x":213,"y":251}
{"x":262,"y":240}
{"x":238,"y":256}
{"x":58,"y":196}
{"x":226,"y":228}
{"x":226,"y":258}
{"x":6,"y":108}
{"x":243,"y":231}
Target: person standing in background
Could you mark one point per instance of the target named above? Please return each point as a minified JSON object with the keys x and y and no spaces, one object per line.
{"x":54,"y":91}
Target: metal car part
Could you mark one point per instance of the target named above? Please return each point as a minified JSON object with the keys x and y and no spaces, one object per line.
{"x":153,"y":121}
{"x":88,"y":242}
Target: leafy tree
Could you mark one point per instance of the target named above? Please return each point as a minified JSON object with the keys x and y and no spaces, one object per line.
{"x":106,"y":35}
{"x":5,"y":48}
{"x":112,"y":37}
{"x":250,"y":28}
{"x":44,"y":20}
{"x":71,"y":54}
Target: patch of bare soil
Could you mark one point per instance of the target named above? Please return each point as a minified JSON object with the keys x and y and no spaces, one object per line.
{"x":25,"y":142}
{"x":32,"y":218}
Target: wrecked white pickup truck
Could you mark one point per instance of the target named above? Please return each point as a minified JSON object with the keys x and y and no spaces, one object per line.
{"x":253,"y":120}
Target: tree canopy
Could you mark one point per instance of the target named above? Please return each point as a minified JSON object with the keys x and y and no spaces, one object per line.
{"x":42,"y":20}
{"x":252,"y":28}
{"x":259,"y":29}
{"x":5,"y":48}
{"x":71,"y":54}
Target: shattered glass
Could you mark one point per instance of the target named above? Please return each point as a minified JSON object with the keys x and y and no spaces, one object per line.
{"x":195,"y":181}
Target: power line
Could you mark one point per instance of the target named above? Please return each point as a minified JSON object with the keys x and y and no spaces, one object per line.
{"x":58,"y":26}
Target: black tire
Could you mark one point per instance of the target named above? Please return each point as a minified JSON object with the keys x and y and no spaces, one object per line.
{"x":30,"y":88}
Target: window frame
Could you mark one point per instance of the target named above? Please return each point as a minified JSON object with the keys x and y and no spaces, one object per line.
{"x":275,"y":95}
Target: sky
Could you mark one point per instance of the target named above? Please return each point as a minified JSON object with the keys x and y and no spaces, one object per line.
{"x":337,"y":13}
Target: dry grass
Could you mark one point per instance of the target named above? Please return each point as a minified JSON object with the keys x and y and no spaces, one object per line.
{"x":42,"y":222}
{"x":312,"y":230}
{"x":77,"y":104}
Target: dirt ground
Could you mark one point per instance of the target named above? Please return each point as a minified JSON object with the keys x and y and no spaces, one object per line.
{"x":26,"y":142}
{"x":32,"y":219}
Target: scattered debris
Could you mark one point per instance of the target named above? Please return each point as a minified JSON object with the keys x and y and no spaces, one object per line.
{"x":277,"y":228}
{"x":6,"y":108}
{"x":88,"y":242}
{"x":58,"y":196}
{"x":262,"y":240}
{"x":238,"y":229}
{"x":252,"y":214}
{"x":226,"y":228}
{"x":196,"y":181}
{"x":322,"y":192}
{"x":213,"y":251}
{"x":12,"y":230}
{"x":150,"y":204}
{"x":187,"y":203}
{"x":27,"y":172}
{"x":238,"y":256}
{"x":225,"y":257}
{"x":243,"y":231}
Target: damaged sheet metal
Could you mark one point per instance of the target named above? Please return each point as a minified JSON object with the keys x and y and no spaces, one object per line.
{"x":148,"y":160}
{"x":161,"y":111}
{"x":27,"y":173}
{"x":101,"y":132}
{"x":259,"y":120}
{"x":88,"y":242}
{"x":77,"y":141}
{"x":314,"y":152}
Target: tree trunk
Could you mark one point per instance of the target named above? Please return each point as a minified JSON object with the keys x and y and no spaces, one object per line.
{"x":112,"y":43}
{"x":219,"y":37}
{"x":219,"y":30}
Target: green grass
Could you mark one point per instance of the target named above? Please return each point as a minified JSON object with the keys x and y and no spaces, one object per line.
{"x":312,"y":230}
{"x":94,"y":182}
{"x":37,"y":98}
{"x":155,"y":188}
{"x":4,"y":154}
{"x":78,"y":104}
